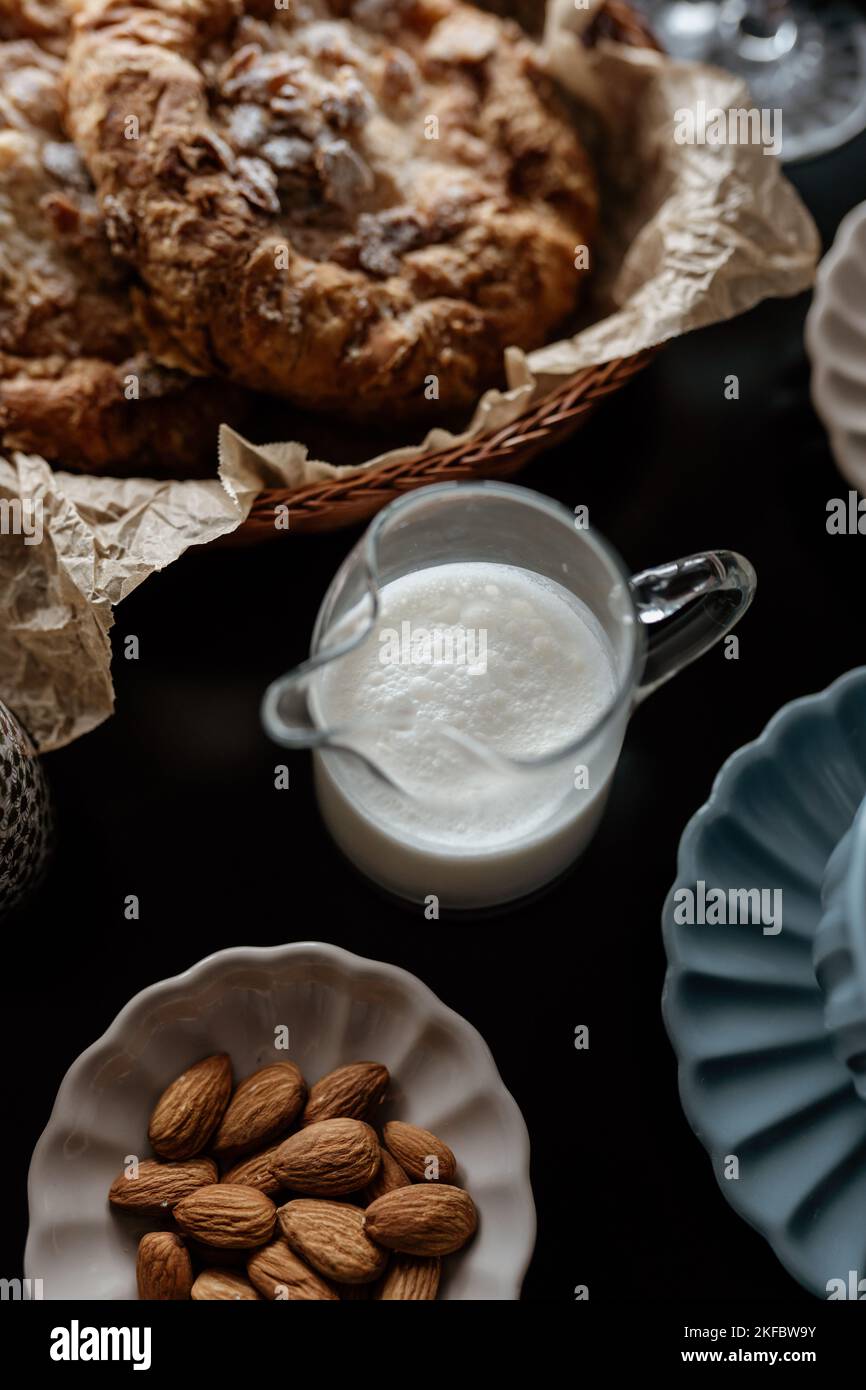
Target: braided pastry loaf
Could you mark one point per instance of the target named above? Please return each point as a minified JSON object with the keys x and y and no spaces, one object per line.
{"x":355,"y":204}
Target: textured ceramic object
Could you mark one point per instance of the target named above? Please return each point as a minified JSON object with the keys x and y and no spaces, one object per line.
{"x":25,"y":814}
{"x":759,"y":1076}
{"x":338,"y":1008}
{"x":836,"y":342}
{"x":840,"y":950}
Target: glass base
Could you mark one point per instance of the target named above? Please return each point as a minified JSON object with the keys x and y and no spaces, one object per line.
{"x":811,"y":66}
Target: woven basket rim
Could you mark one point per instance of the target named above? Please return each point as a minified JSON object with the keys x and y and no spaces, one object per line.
{"x":554,"y":408}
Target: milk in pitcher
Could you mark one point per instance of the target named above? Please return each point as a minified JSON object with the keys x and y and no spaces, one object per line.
{"x":472,"y":672}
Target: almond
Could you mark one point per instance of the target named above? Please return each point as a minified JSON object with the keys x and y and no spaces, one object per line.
{"x":164,"y":1268}
{"x":425,"y":1219}
{"x":188,"y":1112}
{"x":228,"y":1216}
{"x":160,"y":1186}
{"x":420,"y":1154}
{"x":263,"y":1106}
{"x":348,"y":1093}
{"x":329,"y":1158}
{"x":389,"y":1177}
{"x":222,"y":1284}
{"x":330,"y":1236}
{"x":410,"y":1277}
{"x":278,"y":1273}
{"x":256,"y":1171}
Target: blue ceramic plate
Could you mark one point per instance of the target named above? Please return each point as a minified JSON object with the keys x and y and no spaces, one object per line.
{"x":760,"y":1079}
{"x":840,"y":950}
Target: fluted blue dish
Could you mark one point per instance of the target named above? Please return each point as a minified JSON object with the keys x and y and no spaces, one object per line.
{"x":840,"y":950}
{"x":760,"y":1078}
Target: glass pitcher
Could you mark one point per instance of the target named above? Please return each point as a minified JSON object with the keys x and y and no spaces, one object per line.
{"x":371,"y":797}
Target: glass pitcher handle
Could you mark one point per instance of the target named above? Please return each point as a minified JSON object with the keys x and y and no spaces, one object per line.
{"x":687,"y":606}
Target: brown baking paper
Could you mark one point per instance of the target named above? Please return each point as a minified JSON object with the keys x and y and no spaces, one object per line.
{"x":691,"y":235}
{"x":79,"y":547}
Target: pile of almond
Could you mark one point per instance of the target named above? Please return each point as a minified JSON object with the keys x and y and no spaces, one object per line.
{"x":277,"y":1192}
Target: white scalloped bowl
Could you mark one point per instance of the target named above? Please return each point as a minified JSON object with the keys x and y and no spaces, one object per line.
{"x":338,"y":1007}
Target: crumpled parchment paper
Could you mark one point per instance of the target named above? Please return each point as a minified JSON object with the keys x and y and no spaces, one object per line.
{"x":692,"y":235}
{"x":80,"y":546}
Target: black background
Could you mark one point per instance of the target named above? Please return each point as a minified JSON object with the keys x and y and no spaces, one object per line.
{"x":173,"y":800}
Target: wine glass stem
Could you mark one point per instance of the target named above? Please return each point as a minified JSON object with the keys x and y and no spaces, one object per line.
{"x":763,"y":17}
{"x":761,"y":31}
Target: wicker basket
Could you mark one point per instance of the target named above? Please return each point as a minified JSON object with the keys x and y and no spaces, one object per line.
{"x":330,"y":505}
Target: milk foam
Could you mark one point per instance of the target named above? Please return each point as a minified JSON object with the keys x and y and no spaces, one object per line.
{"x":546,"y":676}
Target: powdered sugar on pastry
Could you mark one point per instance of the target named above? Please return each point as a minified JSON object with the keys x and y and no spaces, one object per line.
{"x":341,"y":202}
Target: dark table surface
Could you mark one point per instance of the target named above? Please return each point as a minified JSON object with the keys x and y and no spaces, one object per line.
{"x":173,"y":799}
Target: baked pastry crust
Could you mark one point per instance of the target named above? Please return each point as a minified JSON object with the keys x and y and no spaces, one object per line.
{"x":46,"y":22}
{"x":76,"y":382}
{"x":338,"y":201}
